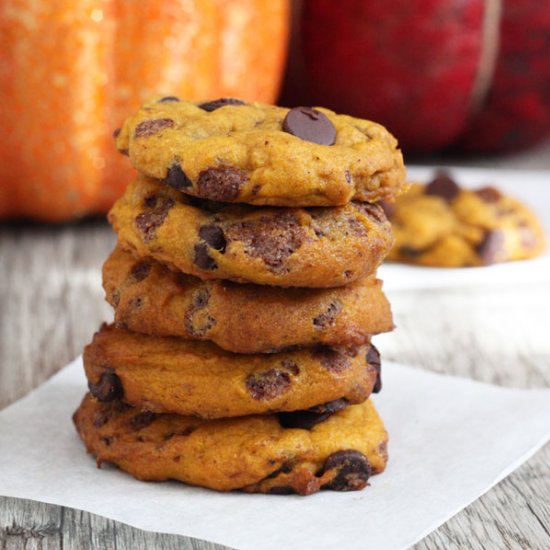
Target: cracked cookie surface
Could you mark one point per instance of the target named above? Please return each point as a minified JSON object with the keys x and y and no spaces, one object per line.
{"x":254,"y":453}
{"x":165,"y":374}
{"x":149,"y":298}
{"x":443,"y":224}
{"x":314,"y":247}
{"x":245,"y":152}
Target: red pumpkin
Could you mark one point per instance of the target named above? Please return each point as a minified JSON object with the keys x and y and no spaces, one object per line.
{"x":71,"y":70}
{"x":434,"y":71}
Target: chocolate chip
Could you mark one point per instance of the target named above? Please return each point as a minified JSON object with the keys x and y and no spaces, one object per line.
{"x":201,"y":298}
{"x":115,"y":297}
{"x":331,"y":359}
{"x":177,"y":178}
{"x":373,"y":359}
{"x":489,"y":194}
{"x":124,"y":152}
{"x":329,"y":316}
{"x":409,"y":251}
{"x":202,"y":258}
{"x":352,"y":470}
{"x":273,"y":238}
{"x":168,"y":99}
{"x":140,"y":270}
{"x":347,"y":176}
{"x":142,"y":420}
{"x":491,"y":248}
{"x":150,"y":201}
{"x":310,"y":125}
{"x":330,"y":407}
{"x":290,"y":366}
{"x":214,"y":237}
{"x":116,"y":132}
{"x":149,"y":222}
{"x":198,"y":325}
{"x":268,"y":384}
{"x":443,"y":186}
{"x":150,"y":127}
{"x":210,"y":106}
{"x":108,"y":388}
{"x":221,"y":184}
{"x":373,"y":211}
{"x":305,"y":420}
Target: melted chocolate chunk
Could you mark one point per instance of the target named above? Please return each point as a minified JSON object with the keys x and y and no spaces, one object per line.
{"x":149,"y":222}
{"x":199,"y":325}
{"x":168,"y":99}
{"x":331,"y":359}
{"x":329,"y":316}
{"x":443,"y":186}
{"x":305,"y":420}
{"x":202,"y":259}
{"x":268,"y":384}
{"x":201,"y":298}
{"x":291,"y":366}
{"x":142,"y":420}
{"x":210,"y":106}
{"x":491,"y":247}
{"x":213,"y":236}
{"x":373,"y":359}
{"x":221,"y":184}
{"x":373,"y":211}
{"x":109,"y":388}
{"x":310,"y":125}
{"x":140,"y":270}
{"x":273,"y":238}
{"x":116,"y":132}
{"x":352,"y":470}
{"x":489,"y":194}
{"x":150,"y":127}
{"x":177,"y":178}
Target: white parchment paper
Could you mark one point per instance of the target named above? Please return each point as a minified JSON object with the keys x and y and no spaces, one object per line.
{"x":531,"y":187}
{"x":450,"y":441}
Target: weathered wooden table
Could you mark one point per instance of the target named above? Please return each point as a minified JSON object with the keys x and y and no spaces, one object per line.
{"x":51,"y":302}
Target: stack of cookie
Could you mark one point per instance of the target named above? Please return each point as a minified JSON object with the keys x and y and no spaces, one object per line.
{"x":245,"y":295}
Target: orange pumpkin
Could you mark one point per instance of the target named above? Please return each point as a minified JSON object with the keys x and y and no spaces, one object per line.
{"x":71,"y":70}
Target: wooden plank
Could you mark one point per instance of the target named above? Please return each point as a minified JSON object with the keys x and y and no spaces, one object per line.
{"x":51,"y":302}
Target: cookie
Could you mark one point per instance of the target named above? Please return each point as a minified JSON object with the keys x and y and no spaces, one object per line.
{"x":164,"y":374}
{"x":151,"y":299}
{"x":263,"y":154}
{"x":317,"y":247}
{"x":254,"y":453}
{"x":443,"y":224}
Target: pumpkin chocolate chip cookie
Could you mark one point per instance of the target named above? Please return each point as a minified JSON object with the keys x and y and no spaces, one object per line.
{"x":254,"y":454}
{"x":316,"y":247}
{"x":165,"y":374}
{"x":443,"y":224}
{"x":151,"y":299}
{"x":232,"y":151}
